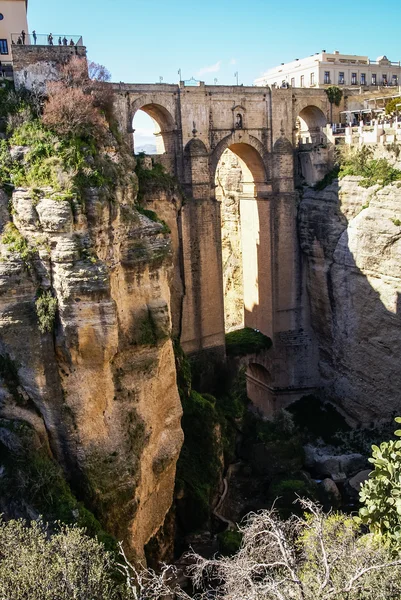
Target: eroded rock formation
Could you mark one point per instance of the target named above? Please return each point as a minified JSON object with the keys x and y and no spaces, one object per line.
{"x":351,"y":239}
{"x":100,"y":386}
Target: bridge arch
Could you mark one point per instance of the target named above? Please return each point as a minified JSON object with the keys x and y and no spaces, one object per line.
{"x":162,"y":116}
{"x":250,"y":151}
{"x":309,"y":125}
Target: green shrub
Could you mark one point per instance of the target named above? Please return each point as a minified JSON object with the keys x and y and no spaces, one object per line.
{"x":359,"y":162}
{"x":229,"y":541}
{"x":246,"y":341}
{"x":16,"y":242}
{"x":284,"y":493}
{"x":381,"y":493}
{"x":46,"y":309}
{"x":152,"y":180}
{"x":327,"y":179}
{"x":40,"y":565}
{"x":153,"y":217}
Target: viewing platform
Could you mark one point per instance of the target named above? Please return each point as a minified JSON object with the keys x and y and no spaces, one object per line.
{"x":46,"y":39}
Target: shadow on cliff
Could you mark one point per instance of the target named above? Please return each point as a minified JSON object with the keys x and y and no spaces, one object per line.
{"x":347,"y":262}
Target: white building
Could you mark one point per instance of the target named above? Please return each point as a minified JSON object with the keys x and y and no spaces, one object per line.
{"x":324,"y":69}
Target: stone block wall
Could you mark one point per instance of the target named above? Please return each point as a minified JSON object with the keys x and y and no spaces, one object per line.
{"x":36,"y":65}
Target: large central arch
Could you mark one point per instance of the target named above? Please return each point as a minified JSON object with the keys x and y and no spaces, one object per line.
{"x":255,"y":227}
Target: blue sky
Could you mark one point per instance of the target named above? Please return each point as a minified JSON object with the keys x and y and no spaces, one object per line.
{"x":141,"y":40}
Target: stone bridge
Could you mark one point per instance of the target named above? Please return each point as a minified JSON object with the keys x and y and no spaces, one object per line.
{"x":263,"y":127}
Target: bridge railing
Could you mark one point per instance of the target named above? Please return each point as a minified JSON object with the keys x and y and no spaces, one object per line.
{"x":46,"y":39}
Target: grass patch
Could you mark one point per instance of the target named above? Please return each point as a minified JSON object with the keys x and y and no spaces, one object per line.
{"x":153,"y":217}
{"x":246,"y":341}
{"x":229,"y":542}
{"x":16,"y":243}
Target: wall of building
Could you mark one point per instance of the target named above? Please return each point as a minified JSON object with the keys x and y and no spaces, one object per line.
{"x":14,"y":21}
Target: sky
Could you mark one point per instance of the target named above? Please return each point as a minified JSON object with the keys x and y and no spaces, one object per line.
{"x":140,"y":41}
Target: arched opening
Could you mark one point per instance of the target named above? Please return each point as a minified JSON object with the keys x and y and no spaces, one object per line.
{"x":245,"y":233}
{"x":153,"y":128}
{"x":309,"y":126}
{"x":258,"y":383}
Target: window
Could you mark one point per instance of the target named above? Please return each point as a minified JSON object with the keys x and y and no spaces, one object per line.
{"x":312,"y":79}
{"x":394,"y":80}
{"x":293,"y":82}
{"x":1,"y":16}
{"x":353,"y":79}
{"x":341,"y":78}
{"x":3,"y":47}
{"x":327,"y":77}
{"x":374,"y":79}
{"x":302,"y":80}
{"x":363,"y":78}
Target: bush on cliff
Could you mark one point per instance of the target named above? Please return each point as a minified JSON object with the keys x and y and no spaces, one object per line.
{"x":42,"y":565}
{"x":246,"y":341}
{"x":359,"y":162}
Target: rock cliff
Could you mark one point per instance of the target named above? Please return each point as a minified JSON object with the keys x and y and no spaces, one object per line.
{"x":351,"y":240}
{"x":99,"y":383}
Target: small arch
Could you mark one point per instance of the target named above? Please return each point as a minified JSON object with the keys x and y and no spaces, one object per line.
{"x":164,"y":124}
{"x":309,"y":125}
{"x":196,"y":163}
{"x":258,"y":387}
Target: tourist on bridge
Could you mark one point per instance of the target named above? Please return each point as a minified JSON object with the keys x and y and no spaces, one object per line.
{"x":65,"y":41}
{"x":34,"y":36}
{"x":50,"y":39}
{"x":23,"y":36}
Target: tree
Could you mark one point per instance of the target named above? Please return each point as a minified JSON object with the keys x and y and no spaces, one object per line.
{"x":70,"y":111}
{"x":320,"y":556}
{"x":381,"y":493}
{"x":334,"y":94}
{"x":391,"y":106}
{"x":81,"y":100}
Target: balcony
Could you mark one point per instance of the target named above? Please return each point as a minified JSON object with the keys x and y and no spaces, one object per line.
{"x":46,"y":39}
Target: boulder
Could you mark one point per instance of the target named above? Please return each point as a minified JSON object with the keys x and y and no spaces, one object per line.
{"x":330,"y":494}
{"x":357,"y":480}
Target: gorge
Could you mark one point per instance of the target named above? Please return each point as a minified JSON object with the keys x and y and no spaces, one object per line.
{"x":115,"y":266}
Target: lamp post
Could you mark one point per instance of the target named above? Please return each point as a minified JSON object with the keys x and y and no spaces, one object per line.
{"x":236,"y":76}
{"x":179,"y":73}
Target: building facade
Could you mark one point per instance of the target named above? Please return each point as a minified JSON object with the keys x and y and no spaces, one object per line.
{"x":13,"y":20}
{"x":324,"y":69}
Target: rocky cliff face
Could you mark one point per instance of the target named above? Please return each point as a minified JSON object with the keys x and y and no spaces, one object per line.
{"x":351,"y":239}
{"x":99,"y":387}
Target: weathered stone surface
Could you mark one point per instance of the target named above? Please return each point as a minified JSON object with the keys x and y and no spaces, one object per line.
{"x":100,"y":389}
{"x":324,"y":463}
{"x":352,"y":242}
